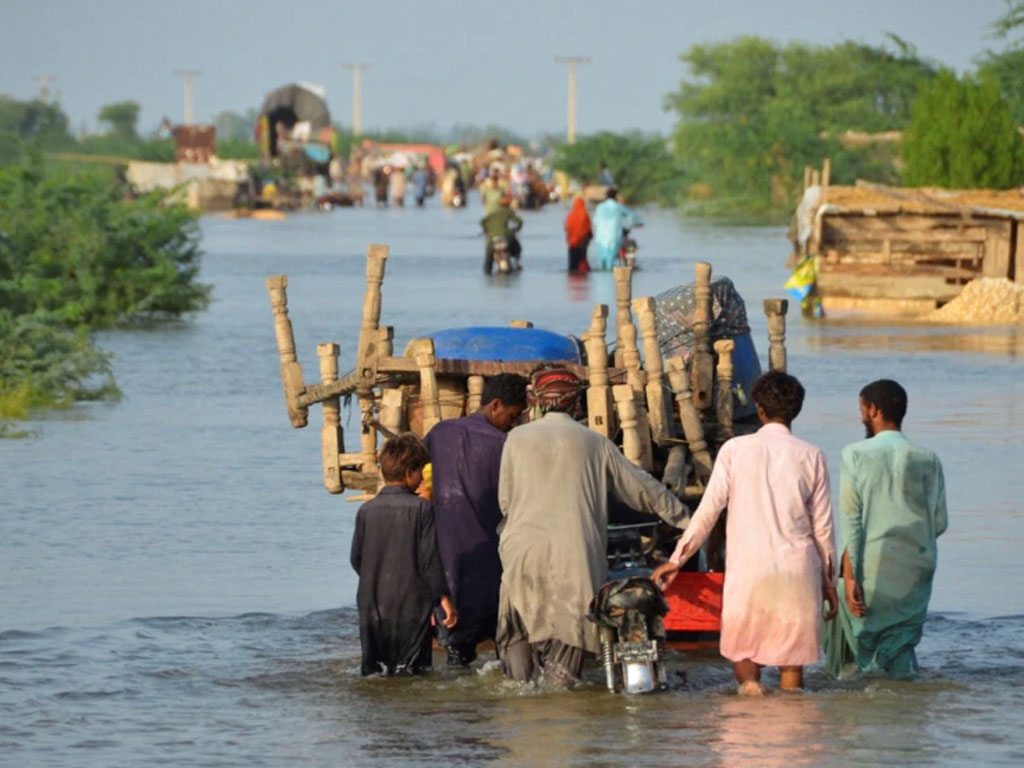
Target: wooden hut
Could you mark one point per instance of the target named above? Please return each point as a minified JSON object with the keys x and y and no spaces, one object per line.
{"x":891,"y":250}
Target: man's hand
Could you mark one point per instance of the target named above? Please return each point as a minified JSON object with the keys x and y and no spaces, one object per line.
{"x":855,"y":598}
{"x":664,"y":575}
{"x":451,"y":616}
{"x":830,"y":596}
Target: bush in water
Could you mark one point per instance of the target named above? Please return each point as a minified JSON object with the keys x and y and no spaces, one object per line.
{"x":76,"y":254}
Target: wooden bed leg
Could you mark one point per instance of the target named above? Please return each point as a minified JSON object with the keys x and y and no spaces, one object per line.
{"x":693,"y":429}
{"x":430,"y":397}
{"x":623,"y":296}
{"x":703,"y":361}
{"x":600,"y":416}
{"x":723,"y":406}
{"x":291,"y":372}
{"x":635,"y":379}
{"x":631,"y":436}
{"x":475,"y":387}
{"x":331,"y":440}
{"x":657,"y":405}
{"x":775,"y":311}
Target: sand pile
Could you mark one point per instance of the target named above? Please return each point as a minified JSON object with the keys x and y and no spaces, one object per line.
{"x":985,"y":301}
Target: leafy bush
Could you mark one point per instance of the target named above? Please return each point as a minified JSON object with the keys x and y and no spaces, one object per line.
{"x":73,"y":247}
{"x":75,"y":254}
{"x":963,"y":135}
{"x":644,"y":169}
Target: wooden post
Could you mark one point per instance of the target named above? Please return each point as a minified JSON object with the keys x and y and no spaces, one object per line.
{"x":475,"y":384}
{"x":693,"y":429}
{"x":807,"y":176}
{"x":631,"y":437}
{"x":291,"y":372}
{"x":367,"y":355}
{"x":600,"y":416}
{"x":376,"y":259}
{"x":658,"y":414}
{"x":385,"y":346}
{"x":775,"y":311}
{"x":331,"y":441}
{"x":724,"y":348}
{"x":430,"y":398}
{"x":392,"y":409}
{"x":826,"y":171}
{"x":674,"y":476}
{"x":703,"y":362}
{"x":623,"y":295}
{"x":635,"y":379}
{"x":815,"y":177}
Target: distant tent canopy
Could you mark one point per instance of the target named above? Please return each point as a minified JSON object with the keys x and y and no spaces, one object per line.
{"x":293,"y":104}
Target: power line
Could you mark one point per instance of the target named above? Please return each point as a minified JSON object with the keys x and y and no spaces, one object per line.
{"x":572,"y":61}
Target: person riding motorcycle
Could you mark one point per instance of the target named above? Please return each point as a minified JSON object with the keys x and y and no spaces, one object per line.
{"x":502,"y":223}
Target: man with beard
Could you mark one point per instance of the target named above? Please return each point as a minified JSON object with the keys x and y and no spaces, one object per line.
{"x":466,"y":457}
{"x":892,"y":508}
{"x":556,"y":480}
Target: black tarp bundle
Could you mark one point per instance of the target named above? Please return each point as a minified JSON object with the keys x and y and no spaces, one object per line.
{"x":675,"y":308}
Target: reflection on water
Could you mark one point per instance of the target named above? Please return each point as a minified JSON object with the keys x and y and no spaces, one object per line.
{"x":192,"y":497}
{"x":1008,"y":342}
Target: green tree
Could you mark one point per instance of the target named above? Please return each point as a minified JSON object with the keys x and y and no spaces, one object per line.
{"x":76,"y":255}
{"x":643,"y":167}
{"x":753,"y":113}
{"x":232,"y":126}
{"x":31,"y":121}
{"x":122,"y":117}
{"x":962,"y":135}
{"x":1007,"y":66}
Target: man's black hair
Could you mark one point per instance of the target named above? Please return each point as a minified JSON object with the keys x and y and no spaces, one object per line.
{"x":888,"y":397}
{"x":780,"y":395}
{"x":612,"y":193}
{"x":510,"y":388}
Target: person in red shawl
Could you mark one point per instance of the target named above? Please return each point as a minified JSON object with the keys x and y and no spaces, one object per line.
{"x":577,"y":235}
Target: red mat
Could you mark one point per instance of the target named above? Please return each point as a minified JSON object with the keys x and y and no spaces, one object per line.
{"x":694,"y":602}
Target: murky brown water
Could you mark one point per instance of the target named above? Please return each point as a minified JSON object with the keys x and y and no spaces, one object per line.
{"x":174,"y":586}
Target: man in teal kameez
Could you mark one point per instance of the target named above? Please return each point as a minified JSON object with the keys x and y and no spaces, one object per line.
{"x":892,"y":508}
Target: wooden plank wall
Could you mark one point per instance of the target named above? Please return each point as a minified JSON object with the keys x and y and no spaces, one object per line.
{"x":915,"y":256}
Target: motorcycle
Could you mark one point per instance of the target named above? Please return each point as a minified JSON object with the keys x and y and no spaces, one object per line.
{"x":499,"y":248}
{"x":628,"y":612}
{"x":627,"y":253}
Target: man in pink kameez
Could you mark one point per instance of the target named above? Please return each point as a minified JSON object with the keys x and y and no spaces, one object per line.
{"x":780,"y":556}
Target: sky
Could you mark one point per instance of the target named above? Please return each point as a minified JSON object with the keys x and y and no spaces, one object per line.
{"x":432,"y":61}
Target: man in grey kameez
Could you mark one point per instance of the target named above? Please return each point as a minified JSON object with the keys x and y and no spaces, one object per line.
{"x":554,"y":487}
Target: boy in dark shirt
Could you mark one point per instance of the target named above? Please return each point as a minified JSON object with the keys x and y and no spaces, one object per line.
{"x":394,"y":551}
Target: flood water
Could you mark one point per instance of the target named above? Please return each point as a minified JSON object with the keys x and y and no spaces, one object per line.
{"x":174,"y":581}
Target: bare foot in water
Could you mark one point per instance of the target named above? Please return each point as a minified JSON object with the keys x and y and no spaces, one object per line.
{"x":750,"y":688}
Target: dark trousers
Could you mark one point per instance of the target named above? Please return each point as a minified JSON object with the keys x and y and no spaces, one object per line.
{"x":461,"y":641}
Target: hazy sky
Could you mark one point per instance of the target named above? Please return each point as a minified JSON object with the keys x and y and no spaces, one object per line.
{"x":443,"y":61}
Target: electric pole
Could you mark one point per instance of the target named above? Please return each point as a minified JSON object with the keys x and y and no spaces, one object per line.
{"x":572,"y":61}
{"x":357,"y":96}
{"x":45,"y":81}
{"x":188,"y":74}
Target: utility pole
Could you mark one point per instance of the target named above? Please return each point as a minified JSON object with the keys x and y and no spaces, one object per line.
{"x":357,"y":96}
{"x":45,"y":81}
{"x":572,"y":61}
{"x":188,"y":74}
